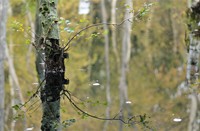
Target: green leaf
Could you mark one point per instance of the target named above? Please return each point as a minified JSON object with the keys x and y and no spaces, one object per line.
{"x":83,"y":20}
{"x":19,"y":116}
{"x":105,"y":103}
{"x":29,"y":93}
{"x":84,"y":116}
{"x":68,"y":122}
{"x":16,"y":107}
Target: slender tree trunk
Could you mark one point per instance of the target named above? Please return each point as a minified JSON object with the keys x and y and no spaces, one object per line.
{"x":189,"y":3}
{"x":192,"y":78}
{"x":174,"y":31}
{"x":40,"y":54}
{"x":193,"y":64}
{"x":11,"y":82}
{"x":48,"y":43}
{"x":106,"y":38}
{"x":125,"y":56}
{"x":29,"y":21}
{"x":147,"y":36}
{"x":114,"y":39}
{"x":3,"y":18}
{"x":15,"y":88}
{"x":12,"y":94}
{"x":194,"y":113}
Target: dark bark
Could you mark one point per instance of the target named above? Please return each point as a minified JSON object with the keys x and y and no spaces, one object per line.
{"x":52,"y":56}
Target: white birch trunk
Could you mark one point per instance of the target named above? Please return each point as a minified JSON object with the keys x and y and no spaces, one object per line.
{"x":193,"y":60}
{"x":113,"y":29}
{"x":192,"y":79}
{"x":174,"y":31}
{"x":11,"y":82}
{"x":12,"y":128}
{"x":15,"y":85}
{"x":147,"y":37}
{"x":126,"y":51}
{"x":48,"y":37}
{"x":3,"y":18}
{"x":106,"y":38}
{"x":15,"y":89}
{"x":30,"y":22}
{"x":194,"y":113}
{"x":192,"y":75}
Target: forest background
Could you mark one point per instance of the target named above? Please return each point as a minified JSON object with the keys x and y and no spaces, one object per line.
{"x":156,"y":69}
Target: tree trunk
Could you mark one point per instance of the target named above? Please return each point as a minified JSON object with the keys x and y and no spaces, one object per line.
{"x":40,"y":55}
{"x":48,"y":42}
{"x":174,"y":31}
{"x":125,"y":56}
{"x":192,"y":79}
{"x":114,"y":39}
{"x":192,"y":75}
{"x":29,"y":20}
{"x":3,"y":18}
{"x":106,"y":38}
{"x":147,"y":35}
{"x":15,"y":87}
{"x":194,"y":113}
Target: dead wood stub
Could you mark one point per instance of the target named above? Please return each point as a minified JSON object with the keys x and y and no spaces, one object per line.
{"x":54,"y":71}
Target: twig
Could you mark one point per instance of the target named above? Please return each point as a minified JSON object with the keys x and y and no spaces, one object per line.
{"x":129,"y":121}
{"x":99,"y":24}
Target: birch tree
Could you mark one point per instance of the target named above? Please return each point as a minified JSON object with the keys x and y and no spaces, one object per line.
{"x":193,"y":63}
{"x":114,"y":38}
{"x":15,"y":88}
{"x":48,"y":44}
{"x":3,"y":18}
{"x":106,"y":38}
{"x":29,"y":22}
{"x":125,"y":57}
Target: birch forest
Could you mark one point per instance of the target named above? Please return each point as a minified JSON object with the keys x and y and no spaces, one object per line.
{"x":99,"y":65}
